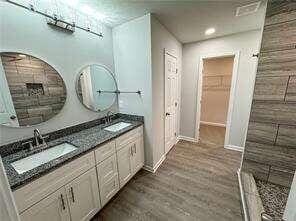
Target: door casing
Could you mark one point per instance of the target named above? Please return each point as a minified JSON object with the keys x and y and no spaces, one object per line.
{"x":236,"y":55}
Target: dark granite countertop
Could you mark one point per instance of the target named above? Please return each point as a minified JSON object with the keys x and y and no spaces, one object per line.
{"x":85,"y":141}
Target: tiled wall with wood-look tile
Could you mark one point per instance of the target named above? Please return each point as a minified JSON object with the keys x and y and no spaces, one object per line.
{"x":38,"y":91}
{"x":270,"y":151}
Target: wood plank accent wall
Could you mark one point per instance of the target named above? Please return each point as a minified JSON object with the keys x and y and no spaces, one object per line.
{"x":270,"y":151}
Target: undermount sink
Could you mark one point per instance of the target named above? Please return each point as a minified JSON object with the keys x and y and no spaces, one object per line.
{"x":35,"y":160}
{"x":117,"y":127}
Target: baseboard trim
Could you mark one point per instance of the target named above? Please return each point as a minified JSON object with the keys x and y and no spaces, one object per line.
{"x":233,"y":147}
{"x":157,"y":165}
{"x":242,"y":194}
{"x":148,"y":168}
{"x":188,"y":139}
{"x":212,"y":124}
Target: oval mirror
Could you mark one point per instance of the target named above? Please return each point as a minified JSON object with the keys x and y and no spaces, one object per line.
{"x":96,"y":87}
{"x":32,"y":91}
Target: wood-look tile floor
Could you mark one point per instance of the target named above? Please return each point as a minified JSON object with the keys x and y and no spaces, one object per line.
{"x":195,"y":182}
{"x":212,"y":134}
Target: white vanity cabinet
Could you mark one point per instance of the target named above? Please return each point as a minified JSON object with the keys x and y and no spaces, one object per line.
{"x":78,"y":200}
{"x":108,"y":178}
{"x":83,"y":196}
{"x":138,"y":155}
{"x":52,"y":208}
{"x":77,"y":190}
{"x":130,"y":155}
{"x":124,"y":157}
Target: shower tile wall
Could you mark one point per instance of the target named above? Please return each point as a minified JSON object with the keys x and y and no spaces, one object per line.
{"x":38,"y":92}
{"x":270,"y":151}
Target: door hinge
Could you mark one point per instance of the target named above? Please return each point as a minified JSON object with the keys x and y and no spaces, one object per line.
{"x":175,"y":134}
{"x":176,"y":70}
{"x":176,"y":104}
{"x":256,"y":55}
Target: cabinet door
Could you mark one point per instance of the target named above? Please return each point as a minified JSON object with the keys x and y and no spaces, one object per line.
{"x":138,"y":155}
{"x":83,"y":196}
{"x":52,"y":208}
{"x":124,"y":164}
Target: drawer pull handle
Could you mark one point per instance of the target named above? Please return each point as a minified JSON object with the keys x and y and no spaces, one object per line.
{"x":72,"y":194}
{"x":63,"y":202}
{"x":132,"y":151}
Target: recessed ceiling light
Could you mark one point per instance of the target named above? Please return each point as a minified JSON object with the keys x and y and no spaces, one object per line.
{"x":210,"y":31}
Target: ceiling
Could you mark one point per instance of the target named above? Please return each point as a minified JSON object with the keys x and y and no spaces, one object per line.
{"x":186,"y":20}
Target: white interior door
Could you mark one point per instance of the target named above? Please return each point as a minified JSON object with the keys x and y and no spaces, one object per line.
{"x":7,"y":112}
{"x":86,"y":88}
{"x":171,"y":91}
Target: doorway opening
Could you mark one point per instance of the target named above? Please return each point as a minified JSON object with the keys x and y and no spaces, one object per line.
{"x":217,"y":78}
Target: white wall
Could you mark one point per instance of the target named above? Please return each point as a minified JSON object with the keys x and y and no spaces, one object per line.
{"x":26,"y":32}
{"x":162,"y":39}
{"x":132,"y":57}
{"x":139,"y":64}
{"x":248,"y":44}
{"x":290,"y":212}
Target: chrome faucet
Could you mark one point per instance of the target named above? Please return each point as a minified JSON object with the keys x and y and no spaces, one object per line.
{"x":37,"y":137}
{"x":109,"y":117}
{"x":38,"y":141}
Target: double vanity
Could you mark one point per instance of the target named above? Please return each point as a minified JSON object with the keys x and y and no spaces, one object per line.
{"x":78,"y":171}
{"x":69,"y":174}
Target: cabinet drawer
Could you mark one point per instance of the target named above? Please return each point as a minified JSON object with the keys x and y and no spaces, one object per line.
{"x":107,"y":169}
{"x":109,"y":189}
{"x":128,"y":137}
{"x":105,"y":151}
{"x":40,"y":188}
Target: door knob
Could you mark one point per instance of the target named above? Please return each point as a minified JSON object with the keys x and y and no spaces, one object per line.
{"x":167,"y":114}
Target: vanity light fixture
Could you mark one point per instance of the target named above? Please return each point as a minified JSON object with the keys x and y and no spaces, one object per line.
{"x":210,"y":31}
{"x":58,"y":21}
